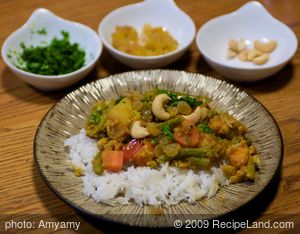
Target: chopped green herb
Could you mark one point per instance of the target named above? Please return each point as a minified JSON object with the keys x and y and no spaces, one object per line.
{"x":42,"y":31}
{"x":8,"y":55}
{"x":161,"y":91}
{"x":59,"y":57}
{"x":166,"y":129}
{"x":173,"y":96}
{"x":22,"y":45}
{"x":204,"y":127}
{"x":193,"y":102}
{"x":154,"y":141}
{"x":95,"y":118}
{"x":174,"y":99}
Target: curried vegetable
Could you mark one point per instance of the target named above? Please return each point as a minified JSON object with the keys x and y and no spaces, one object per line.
{"x":131,"y":149}
{"x":187,"y":134}
{"x":58,"y":58}
{"x":129,"y":133}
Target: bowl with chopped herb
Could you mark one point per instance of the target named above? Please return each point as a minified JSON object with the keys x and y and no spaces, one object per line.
{"x":49,"y":52}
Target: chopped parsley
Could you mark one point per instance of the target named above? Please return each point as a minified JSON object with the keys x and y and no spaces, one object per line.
{"x":154,"y":141}
{"x":193,"y":102}
{"x":174,"y":99}
{"x":204,"y":127}
{"x":166,"y":129}
{"x":42,"y":31}
{"x":57,"y":58}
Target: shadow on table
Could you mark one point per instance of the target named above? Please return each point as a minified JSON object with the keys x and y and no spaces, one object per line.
{"x":272,"y":83}
{"x":202,"y":67}
{"x":111,"y":65}
{"x":182,"y":63}
{"x":251,"y":211}
{"x":12,"y":85}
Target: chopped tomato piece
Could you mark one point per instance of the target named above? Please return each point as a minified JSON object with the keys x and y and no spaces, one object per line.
{"x":144,"y":154}
{"x":112,"y":160}
{"x":187,"y":134}
{"x":131,"y":148}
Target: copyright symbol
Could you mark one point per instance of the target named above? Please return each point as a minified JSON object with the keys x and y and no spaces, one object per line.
{"x":177,"y":223}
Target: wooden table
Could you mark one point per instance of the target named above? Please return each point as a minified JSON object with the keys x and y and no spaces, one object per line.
{"x":23,"y":192}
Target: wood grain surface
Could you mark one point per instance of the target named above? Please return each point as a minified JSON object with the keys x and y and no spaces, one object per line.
{"x":23,"y":193}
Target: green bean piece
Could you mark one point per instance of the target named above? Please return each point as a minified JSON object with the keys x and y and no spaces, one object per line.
{"x":250,"y":169}
{"x":199,"y":162}
{"x":197,"y":152}
{"x":190,"y":152}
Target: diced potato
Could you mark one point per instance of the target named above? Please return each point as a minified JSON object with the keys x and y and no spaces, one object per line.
{"x":118,"y":120}
{"x":121,"y":113}
{"x":228,"y":170}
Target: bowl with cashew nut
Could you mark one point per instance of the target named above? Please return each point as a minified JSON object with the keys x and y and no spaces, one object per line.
{"x":248,"y":44}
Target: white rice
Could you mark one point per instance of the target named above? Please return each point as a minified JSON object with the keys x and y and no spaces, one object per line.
{"x":145,"y":186}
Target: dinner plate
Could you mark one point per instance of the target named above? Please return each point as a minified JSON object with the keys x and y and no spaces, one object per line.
{"x":69,"y":115}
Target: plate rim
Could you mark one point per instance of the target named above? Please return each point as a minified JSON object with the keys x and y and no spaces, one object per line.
{"x":102,"y":216}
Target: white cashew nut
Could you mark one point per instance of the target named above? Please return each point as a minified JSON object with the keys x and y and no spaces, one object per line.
{"x":237,"y":46}
{"x":158,"y":107}
{"x":261,"y":59}
{"x":233,"y":45}
{"x":265,"y":47}
{"x":253,"y":54}
{"x":231,"y":54}
{"x":137,"y":131}
{"x":241,"y":45}
{"x":198,"y":115}
{"x":243,"y":56}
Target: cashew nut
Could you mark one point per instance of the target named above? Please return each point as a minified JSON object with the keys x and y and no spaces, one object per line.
{"x":241,"y":45}
{"x":237,"y":45}
{"x":158,"y":107}
{"x":261,"y":59}
{"x":198,"y":115}
{"x":265,"y":47}
{"x":253,"y":54}
{"x":243,"y":55}
{"x":233,"y":45}
{"x":231,"y":54}
{"x":137,"y":131}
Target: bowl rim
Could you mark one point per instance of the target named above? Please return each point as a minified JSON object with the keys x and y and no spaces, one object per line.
{"x":266,"y":66}
{"x":140,"y":57}
{"x":40,"y":76}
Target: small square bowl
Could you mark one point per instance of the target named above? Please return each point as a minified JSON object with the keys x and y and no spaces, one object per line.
{"x":250,"y":22}
{"x":43,"y":19}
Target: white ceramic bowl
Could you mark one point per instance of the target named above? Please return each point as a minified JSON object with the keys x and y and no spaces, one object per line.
{"x":43,"y":18}
{"x":251,"y":22}
{"x":163,"y":13}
